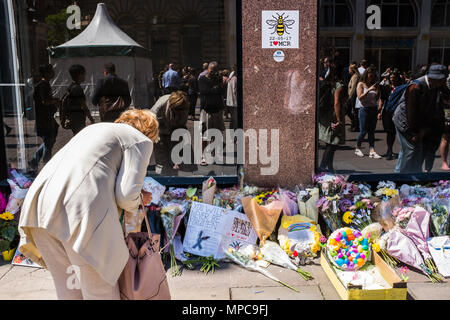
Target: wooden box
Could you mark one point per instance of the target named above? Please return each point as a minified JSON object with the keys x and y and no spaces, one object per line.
{"x":397,"y":292}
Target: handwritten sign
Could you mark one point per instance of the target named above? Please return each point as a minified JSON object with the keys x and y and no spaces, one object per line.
{"x":212,"y":229}
{"x":280,"y":29}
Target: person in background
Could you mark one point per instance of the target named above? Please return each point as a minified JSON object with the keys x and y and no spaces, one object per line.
{"x":171,"y":111}
{"x":225,"y":74}
{"x":232,"y":98}
{"x":109,"y":92}
{"x":77,"y":108}
{"x":326,"y":68}
{"x":192,"y":92}
{"x":420,"y":121}
{"x":46,"y":126}
{"x":70,"y":215}
{"x":353,"y":83}
{"x":362,"y":66}
{"x":332,"y":99}
{"x":171,"y":80}
{"x":385,"y":115}
{"x":204,"y":70}
{"x":368,"y":95}
{"x":211,"y":88}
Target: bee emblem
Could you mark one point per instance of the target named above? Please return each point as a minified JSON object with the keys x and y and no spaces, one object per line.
{"x":280,"y":24}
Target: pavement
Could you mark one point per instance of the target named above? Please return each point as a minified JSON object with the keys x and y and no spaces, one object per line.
{"x":346,"y":162}
{"x":230,"y":282}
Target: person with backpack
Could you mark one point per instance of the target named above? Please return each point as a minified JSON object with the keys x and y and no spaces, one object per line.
{"x":419,"y":120}
{"x":74,"y":104}
{"x":45,"y":108}
{"x":112,"y":95}
{"x":389,"y":95}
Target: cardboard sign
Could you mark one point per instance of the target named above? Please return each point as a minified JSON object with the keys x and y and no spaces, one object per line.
{"x":212,"y":229}
{"x":280,"y":29}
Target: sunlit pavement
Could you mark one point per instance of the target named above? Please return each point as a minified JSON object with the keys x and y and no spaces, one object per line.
{"x":230,"y":282}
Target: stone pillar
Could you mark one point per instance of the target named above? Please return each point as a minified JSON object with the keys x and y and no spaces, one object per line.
{"x":359,"y":19}
{"x":423,"y":40}
{"x":280,"y":95}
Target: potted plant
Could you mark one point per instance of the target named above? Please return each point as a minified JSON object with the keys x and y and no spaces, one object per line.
{"x":9,"y":235}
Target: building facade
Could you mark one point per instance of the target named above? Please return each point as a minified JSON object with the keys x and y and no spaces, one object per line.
{"x":412,"y":33}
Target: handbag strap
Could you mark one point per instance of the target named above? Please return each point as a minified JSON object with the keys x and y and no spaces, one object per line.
{"x":150,"y":235}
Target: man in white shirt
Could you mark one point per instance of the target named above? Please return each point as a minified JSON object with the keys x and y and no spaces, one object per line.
{"x":362,"y":66}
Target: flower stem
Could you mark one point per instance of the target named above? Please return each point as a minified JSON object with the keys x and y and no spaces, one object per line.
{"x":304,"y":274}
{"x":288,"y":286}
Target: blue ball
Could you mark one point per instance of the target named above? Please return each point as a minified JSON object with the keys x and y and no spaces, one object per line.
{"x":339,"y":262}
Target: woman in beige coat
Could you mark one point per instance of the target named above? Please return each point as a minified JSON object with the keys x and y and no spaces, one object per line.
{"x":70,"y":216}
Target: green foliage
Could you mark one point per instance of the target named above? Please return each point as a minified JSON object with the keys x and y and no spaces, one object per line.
{"x":58,"y":33}
{"x":9,"y":235}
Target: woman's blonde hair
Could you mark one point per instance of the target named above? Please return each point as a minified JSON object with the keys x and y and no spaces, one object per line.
{"x":353,"y":67}
{"x":143,"y":120}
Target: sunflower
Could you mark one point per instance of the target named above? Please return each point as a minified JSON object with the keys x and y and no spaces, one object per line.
{"x":7,"y":216}
{"x":376,"y":247}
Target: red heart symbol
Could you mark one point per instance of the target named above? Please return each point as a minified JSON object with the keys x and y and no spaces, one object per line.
{"x":232,"y":234}
{"x":275,"y":43}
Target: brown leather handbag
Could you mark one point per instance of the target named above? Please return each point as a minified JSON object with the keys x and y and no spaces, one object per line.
{"x":143,"y":277}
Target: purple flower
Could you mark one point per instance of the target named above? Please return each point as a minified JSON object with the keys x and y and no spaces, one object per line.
{"x":345,"y":204}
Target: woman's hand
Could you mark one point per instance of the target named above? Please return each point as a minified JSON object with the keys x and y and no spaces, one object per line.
{"x":146,"y":197}
{"x":334,"y":126}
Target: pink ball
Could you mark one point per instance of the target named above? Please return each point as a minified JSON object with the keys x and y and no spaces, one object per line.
{"x":363,"y":256}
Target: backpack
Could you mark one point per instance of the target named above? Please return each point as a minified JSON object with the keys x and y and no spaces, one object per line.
{"x":396,"y":97}
{"x":399,"y":107}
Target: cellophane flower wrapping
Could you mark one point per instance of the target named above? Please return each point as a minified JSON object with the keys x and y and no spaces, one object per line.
{"x":440,"y":217}
{"x":172,"y":213}
{"x":329,"y":209}
{"x":306,"y":200}
{"x":289,"y":200}
{"x":403,"y":248}
{"x":417,"y":230}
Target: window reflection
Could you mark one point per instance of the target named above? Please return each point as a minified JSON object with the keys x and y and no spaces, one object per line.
{"x":139,"y":40}
{"x":373,"y":68}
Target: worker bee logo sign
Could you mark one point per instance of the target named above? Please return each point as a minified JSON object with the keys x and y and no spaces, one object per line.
{"x":280,"y":29}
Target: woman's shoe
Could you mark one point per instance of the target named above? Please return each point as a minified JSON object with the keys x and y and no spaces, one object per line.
{"x":374,"y":155}
{"x":359,"y":153}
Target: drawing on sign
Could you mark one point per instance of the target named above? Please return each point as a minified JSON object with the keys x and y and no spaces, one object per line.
{"x":200,"y":239}
{"x":280,"y":29}
{"x":280,"y":24}
{"x":241,"y":226}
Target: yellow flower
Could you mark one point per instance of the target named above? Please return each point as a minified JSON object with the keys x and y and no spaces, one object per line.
{"x":194,"y":198}
{"x":376,"y":247}
{"x":347,"y":218}
{"x":312,"y":228}
{"x":7,"y":216}
{"x":315,"y":247}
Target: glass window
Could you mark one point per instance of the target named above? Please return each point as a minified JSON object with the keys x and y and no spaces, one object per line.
{"x":360,"y":136}
{"x":335,"y":13}
{"x":397,"y":13}
{"x":441,"y":13}
{"x":143,"y":40}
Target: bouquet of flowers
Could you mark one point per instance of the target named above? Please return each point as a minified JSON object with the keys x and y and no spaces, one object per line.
{"x":329,"y":184}
{"x":440,"y":217}
{"x":402,"y":216}
{"x":242,"y":260}
{"x":358,"y":215}
{"x":329,"y":209}
{"x":289,"y":200}
{"x":266,"y":197}
{"x":365,"y":192}
{"x":386,"y":190}
{"x":306,"y":201}
{"x":272,"y":253}
{"x":9,"y":235}
{"x":171,"y":215}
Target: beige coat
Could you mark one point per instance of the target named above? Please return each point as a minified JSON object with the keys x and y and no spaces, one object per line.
{"x":77,"y":195}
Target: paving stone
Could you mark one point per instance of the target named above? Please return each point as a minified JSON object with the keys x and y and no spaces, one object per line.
{"x":329,"y":292}
{"x":311,"y":292}
{"x":200,"y":294}
{"x":429,"y":291}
